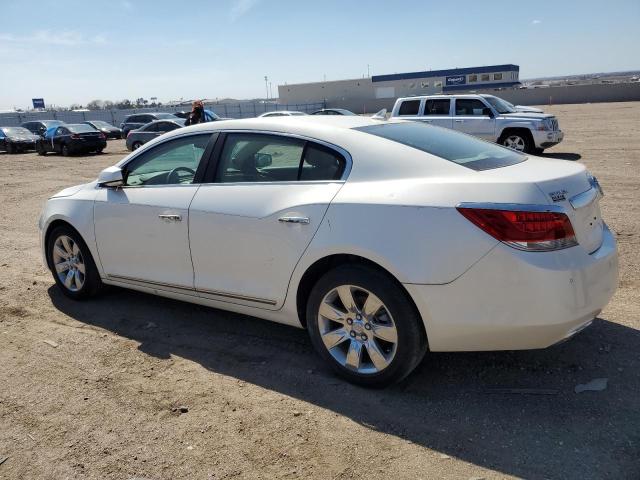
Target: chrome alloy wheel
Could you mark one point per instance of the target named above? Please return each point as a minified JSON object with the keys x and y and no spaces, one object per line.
{"x":515,"y":142}
{"x":357,"y":329}
{"x":68,"y":262}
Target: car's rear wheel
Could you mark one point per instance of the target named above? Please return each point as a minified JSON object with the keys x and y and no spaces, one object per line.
{"x":40,"y":149}
{"x":365,"y":326}
{"x":71,"y":264}
{"x":136,"y":145}
{"x":65,"y":150}
{"x":11,"y":148}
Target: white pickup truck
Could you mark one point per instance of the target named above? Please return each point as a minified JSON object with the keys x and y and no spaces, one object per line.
{"x":484,"y":116}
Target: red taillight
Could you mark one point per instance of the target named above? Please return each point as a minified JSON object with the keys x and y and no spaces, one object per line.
{"x":75,"y":136}
{"x":524,"y":230}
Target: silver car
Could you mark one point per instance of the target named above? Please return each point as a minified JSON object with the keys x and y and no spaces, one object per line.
{"x":137,"y":138}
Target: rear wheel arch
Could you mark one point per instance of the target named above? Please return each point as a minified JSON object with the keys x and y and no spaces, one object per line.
{"x":320,"y":267}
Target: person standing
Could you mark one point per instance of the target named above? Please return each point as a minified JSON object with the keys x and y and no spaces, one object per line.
{"x":197,"y":114}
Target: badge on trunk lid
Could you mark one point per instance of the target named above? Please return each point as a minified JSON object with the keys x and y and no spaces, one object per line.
{"x":558,"y":195}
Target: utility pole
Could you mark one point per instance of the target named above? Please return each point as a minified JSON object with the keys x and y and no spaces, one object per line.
{"x":270,"y":91}
{"x":266,"y":85}
{"x":368,"y":70}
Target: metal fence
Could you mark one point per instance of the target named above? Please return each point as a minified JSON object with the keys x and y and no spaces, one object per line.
{"x":115,"y":117}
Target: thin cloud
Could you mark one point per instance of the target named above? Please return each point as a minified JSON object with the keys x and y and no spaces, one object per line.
{"x":68,"y":38}
{"x":241,"y":8}
{"x":536,"y":22}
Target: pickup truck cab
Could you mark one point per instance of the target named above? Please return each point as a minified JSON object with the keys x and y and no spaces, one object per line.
{"x":484,"y":116}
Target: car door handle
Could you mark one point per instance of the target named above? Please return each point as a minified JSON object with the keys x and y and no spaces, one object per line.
{"x":459,"y":121}
{"x":170,"y":217}
{"x":302,"y":220}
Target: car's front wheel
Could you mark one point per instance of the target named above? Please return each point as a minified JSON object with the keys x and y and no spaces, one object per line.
{"x":71,"y":264}
{"x":518,"y":139}
{"x":136,"y":145}
{"x":365,"y":326}
{"x":65,"y":150}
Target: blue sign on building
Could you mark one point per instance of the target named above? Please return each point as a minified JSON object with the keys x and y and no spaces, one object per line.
{"x":38,"y":102}
{"x":456,"y":80}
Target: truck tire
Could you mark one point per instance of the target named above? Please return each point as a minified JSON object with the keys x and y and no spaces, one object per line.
{"x":518,"y":139}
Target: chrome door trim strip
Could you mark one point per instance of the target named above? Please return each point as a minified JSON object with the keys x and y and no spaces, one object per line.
{"x":190,"y":290}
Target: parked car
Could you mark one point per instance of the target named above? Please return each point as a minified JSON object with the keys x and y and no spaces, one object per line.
{"x":281,"y":113}
{"x":105,"y":127}
{"x":484,"y":116}
{"x":71,"y":139}
{"x":333,"y":111}
{"x":137,"y":120}
{"x":381,"y":238}
{"x":17,"y":139}
{"x":39,"y":127}
{"x":137,"y":138}
{"x":522,"y":108}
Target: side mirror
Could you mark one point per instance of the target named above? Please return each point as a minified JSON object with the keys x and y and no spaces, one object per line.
{"x":487,"y":112}
{"x":263,"y":160}
{"x":111,"y":177}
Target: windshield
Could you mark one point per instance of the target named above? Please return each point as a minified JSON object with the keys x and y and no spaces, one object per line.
{"x":15,"y":131}
{"x":170,"y":116}
{"x":448,"y":144}
{"x":500,"y":105}
{"x":81,"y":128}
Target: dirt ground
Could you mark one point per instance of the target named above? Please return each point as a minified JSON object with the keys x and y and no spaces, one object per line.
{"x":98,"y":400}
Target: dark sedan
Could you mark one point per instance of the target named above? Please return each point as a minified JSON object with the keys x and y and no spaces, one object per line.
{"x":333,"y":111}
{"x":109,"y":130}
{"x":72,"y":139}
{"x":17,"y":139}
{"x":39,"y":127}
{"x":137,"y":138}
{"x":137,"y":120}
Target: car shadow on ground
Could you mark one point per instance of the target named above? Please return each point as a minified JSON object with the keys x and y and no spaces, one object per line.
{"x":465,"y":405}
{"x":562,"y":156}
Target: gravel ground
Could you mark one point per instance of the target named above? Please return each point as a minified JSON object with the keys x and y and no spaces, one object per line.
{"x":93,"y":390}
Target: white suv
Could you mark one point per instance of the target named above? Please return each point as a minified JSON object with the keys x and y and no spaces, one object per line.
{"x":484,"y":116}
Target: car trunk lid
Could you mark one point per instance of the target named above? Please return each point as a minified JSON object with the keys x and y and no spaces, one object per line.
{"x":570,"y":186}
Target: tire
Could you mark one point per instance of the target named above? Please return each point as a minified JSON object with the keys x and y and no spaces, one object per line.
{"x":99,"y":151}
{"x":40,"y":150}
{"x":65,"y":151}
{"x":360,"y":337}
{"x":136,"y":145}
{"x":62,"y":241}
{"x":519,"y":140}
{"x":11,"y":148}
{"x":538,"y":151}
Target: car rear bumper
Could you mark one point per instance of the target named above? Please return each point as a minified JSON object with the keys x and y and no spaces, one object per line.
{"x":514,"y":300}
{"x":544,"y":139}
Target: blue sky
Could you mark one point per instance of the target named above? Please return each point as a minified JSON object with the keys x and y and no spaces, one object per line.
{"x":76,"y":51}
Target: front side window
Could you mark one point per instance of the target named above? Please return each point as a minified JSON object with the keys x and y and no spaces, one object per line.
{"x":170,"y":163}
{"x":439,"y":106}
{"x":450,"y":145}
{"x":469,"y":106}
{"x":409,"y":107}
{"x":256,"y":157}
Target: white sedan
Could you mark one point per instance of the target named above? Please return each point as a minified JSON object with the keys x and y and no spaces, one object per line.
{"x":384,"y":239}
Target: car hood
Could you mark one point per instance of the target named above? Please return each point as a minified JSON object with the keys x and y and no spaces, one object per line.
{"x":526,"y":116}
{"x":22,"y":138}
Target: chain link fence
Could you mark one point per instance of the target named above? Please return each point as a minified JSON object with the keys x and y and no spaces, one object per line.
{"x":115,"y":117}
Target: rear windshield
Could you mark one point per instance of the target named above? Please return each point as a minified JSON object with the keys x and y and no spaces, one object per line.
{"x":81,"y":128}
{"x":456,"y":147}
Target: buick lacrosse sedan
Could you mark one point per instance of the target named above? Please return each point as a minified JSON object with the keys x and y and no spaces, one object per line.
{"x":384,"y":239}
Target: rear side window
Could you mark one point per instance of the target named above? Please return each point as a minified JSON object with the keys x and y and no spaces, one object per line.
{"x":133,"y":119}
{"x":448,"y":144}
{"x":409,"y":107}
{"x":321,"y":163}
{"x":438,"y":106}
